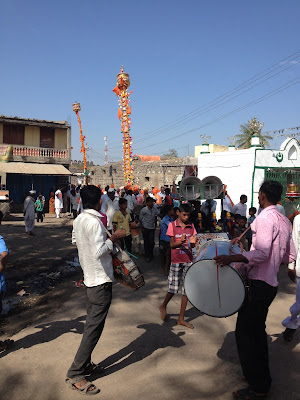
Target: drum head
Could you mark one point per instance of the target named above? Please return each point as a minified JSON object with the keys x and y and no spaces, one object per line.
{"x":204,"y":292}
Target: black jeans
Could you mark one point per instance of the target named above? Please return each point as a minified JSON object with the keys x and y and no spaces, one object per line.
{"x":148,"y":236}
{"x":39,"y":216}
{"x":128,"y":243}
{"x":98,"y":303}
{"x":251,"y":337}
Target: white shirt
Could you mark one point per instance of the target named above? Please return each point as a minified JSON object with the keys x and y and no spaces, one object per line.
{"x":110,"y":208}
{"x":58,"y":202}
{"x":227,"y":206}
{"x":104,"y":197}
{"x":296,"y":240}
{"x":240,"y":208}
{"x":147,"y":217}
{"x":280,"y":209}
{"x":94,"y":248}
{"x":131,"y":201}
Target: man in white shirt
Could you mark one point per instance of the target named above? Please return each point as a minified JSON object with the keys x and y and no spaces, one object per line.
{"x":58,"y":202}
{"x":292,"y":323}
{"x":104,"y":198}
{"x":111,"y":206}
{"x":94,"y":251}
{"x":241,"y":207}
{"x":147,"y":217}
{"x":131,"y":201}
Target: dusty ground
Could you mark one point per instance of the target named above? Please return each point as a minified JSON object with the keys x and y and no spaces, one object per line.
{"x":143,"y":357}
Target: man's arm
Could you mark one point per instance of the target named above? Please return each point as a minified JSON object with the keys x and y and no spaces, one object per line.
{"x":99,"y":247}
{"x":3,"y":260}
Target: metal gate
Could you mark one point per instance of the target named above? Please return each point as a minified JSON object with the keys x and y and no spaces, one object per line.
{"x":284,"y":177}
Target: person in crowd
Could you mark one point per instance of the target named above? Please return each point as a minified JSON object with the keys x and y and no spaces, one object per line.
{"x":292,"y":322}
{"x":182,"y":235}
{"x":104,"y":198}
{"x":29,"y":212}
{"x":111,"y":206}
{"x":122,"y":220}
{"x":240,"y":229}
{"x":241,"y":207}
{"x":94,"y":250}
{"x":252,"y":212}
{"x":4,"y":344}
{"x":280,"y":208}
{"x":148,"y":216}
{"x":131,"y":202}
{"x":74,"y":202}
{"x":196,"y":216}
{"x":161,"y":194}
{"x":272,"y":244}
{"x":39,"y":205}
{"x":164,"y":240}
{"x":58,"y":202}
{"x":135,"y":229}
{"x":168,"y":200}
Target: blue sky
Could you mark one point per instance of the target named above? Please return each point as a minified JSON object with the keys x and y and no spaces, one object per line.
{"x":180,"y":55}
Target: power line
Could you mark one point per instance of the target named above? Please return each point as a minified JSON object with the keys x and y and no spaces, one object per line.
{"x":260,"y":99}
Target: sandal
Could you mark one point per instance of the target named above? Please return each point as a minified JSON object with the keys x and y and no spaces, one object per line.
{"x":91,"y":368}
{"x":6,"y":345}
{"x":288,"y":334}
{"x":248,"y":394}
{"x":84,"y":389}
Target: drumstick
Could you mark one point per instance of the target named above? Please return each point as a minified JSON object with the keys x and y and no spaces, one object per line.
{"x":219,"y":295}
{"x":244,"y":233}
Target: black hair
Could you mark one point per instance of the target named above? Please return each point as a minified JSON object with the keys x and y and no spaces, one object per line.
{"x":90,"y":196}
{"x":272,"y":190}
{"x":122,"y":201}
{"x":243,"y":197}
{"x":253,"y":209}
{"x":165,"y":209}
{"x":243,"y":219}
{"x":130,"y":192}
{"x":237,"y":216}
{"x":185,"y":207}
{"x":167,"y":191}
{"x":149,"y":198}
{"x":176,"y":209}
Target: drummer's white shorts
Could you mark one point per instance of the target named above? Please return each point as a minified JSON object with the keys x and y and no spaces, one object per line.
{"x":176,"y":277}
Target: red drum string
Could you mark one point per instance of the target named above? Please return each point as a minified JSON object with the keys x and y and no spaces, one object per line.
{"x":218,"y":278}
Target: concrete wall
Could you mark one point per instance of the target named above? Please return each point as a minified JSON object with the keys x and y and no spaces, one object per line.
{"x":60,"y":139}
{"x":213,"y":148}
{"x":32,"y":136}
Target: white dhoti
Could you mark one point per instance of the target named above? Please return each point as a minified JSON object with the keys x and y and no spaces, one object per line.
{"x":57,"y":212}
{"x":29,"y":210}
{"x":29,"y":225}
{"x":293,"y":322}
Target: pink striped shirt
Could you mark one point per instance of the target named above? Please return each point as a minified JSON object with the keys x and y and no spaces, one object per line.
{"x":272,"y":244}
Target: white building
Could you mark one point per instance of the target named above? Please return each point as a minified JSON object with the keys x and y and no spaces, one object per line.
{"x":243,"y":171}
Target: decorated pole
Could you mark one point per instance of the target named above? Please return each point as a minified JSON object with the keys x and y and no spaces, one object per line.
{"x":124,"y":113}
{"x":76,"y":109}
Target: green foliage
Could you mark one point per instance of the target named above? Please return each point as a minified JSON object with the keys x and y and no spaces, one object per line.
{"x":171,"y":153}
{"x":243,"y":140}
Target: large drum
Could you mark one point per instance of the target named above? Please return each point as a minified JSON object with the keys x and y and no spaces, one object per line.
{"x":213,"y":290}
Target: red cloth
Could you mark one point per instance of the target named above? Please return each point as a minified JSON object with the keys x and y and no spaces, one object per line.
{"x":103,"y":219}
{"x":182,"y":254}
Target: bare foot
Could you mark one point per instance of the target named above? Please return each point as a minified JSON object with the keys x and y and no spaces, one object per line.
{"x":184,"y":323}
{"x":163,"y":312}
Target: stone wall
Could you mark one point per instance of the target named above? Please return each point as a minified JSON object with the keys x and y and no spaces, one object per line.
{"x":146,"y":174}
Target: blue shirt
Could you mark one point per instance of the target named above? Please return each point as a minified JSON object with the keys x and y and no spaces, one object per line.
{"x":2,"y":249}
{"x":164,"y":227}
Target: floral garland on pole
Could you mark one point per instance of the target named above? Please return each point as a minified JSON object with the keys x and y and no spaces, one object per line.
{"x":124,"y":113}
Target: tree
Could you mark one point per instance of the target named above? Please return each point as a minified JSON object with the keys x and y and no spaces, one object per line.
{"x":253,"y":126}
{"x":171,"y":153}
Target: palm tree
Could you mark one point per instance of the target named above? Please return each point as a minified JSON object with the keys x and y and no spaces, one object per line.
{"x":253,"y":126}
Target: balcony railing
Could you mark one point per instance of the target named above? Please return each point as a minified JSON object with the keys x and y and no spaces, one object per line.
{"x":25,"y":151}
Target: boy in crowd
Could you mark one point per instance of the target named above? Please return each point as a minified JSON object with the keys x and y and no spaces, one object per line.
{"x":252,"y":212}
{"x":39,"y":205}
{"x":242,"y":221}
{"x":182,"y":235}
{"x":135,"y":234}
{"x":122,"y":220}
{"x":164,"y":239}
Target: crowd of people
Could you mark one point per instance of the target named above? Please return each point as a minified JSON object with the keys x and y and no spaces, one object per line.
{"x":104,"y":217}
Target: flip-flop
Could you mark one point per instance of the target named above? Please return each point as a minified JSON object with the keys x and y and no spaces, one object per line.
{"x":84,"y":389}
{"x":248,"y":394}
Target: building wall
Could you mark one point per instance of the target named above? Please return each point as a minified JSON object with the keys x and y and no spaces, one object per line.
{"x":32,"y":136}
{"x":213,"y":148}
{"x":1,"y":133}
{"x":60,"y":139}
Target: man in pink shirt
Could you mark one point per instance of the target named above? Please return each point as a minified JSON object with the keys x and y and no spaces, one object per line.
{"x":272,"y":244}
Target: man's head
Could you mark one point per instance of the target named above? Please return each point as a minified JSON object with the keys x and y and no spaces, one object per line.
{"x":252,"y":211}
{"x":184,"y":212}
{"x":123,"y":204}
{"x":242,"y":222}
{"x":40,"y":197}
{"x":243,"y":199}
{"x":167,"y":191}
{"x":91,"y":196}
{"x":106,"y":188}
{"x":149,"y":202}
{"x":269,"y":193}
{"x":237,"y":217}
{"x":130,"y":192}
{"x":111,"y":193}
{"x":32,"y":193}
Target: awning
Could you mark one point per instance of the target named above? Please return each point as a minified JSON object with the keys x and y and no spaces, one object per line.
{"x":33,"y":169}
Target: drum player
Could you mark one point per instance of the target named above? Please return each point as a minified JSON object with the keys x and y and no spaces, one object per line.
{"x":272,"y":244}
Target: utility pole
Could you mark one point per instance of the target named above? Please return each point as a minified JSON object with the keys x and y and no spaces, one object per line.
{"x":105,"y":150}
